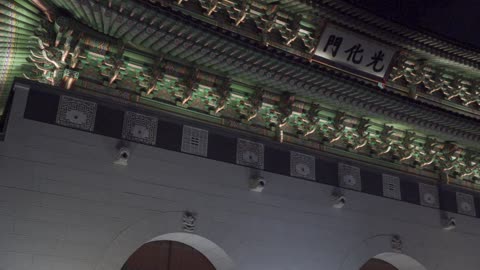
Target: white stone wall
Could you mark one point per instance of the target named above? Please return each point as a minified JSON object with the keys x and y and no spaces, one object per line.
{"x":64,"y":205}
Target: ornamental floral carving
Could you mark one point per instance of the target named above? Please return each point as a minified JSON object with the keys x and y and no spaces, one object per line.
{"x":407,"y":148}
{"x":360,"y":135}
{"x":336,"y":130}
{"x":249,"y":109}
{"x":383,"y":143}
{"x":63,"y":56}
{"x":454,"y":88}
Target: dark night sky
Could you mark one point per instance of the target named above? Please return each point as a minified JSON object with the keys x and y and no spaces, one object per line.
{"x":455,"y":19}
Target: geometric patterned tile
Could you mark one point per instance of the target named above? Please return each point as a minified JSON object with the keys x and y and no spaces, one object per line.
{"x":194,"y":141}
{"x":250,"y":154}
{"x":140,"y":128}
{"x":391,"y":186}
{"x":429,"y":195}
{"x":76,"y":113}
{"x":466,"y":204}
{"x":349,"y":177}
{"x":302,"y":165}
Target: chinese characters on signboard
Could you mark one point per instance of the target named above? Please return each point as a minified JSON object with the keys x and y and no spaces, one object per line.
{"x":348,"y":49}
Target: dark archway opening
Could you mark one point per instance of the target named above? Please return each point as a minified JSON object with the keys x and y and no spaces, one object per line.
{"x":167,"y":255}
{"x":376,"y":264}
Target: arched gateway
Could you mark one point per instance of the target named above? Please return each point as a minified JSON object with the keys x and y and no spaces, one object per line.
{"x":392,"y":261}
{"x":167,"y":255}
{"x":376,"y":264}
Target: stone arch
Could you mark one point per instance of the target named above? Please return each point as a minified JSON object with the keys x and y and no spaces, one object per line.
{"x":157,"y":228}
{"x":376,"y":264}
{"x":400,"y":261}
{"x":378,"y":247}
{"x":215,"y":254}
{"x":167,"y":255}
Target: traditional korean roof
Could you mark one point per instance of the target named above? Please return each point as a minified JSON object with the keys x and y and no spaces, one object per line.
{"x":175,"y":56}
{"x":433,"y":47}
{"x":162,"y":31}
{"x":445,"y":71}
{"x":18,"y":20}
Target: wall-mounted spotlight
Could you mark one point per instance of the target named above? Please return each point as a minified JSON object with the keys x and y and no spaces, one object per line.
{"x":123,"y":154}
{"x":257,"y":184}
{"x":449,"y":223}
{"x":339,"y":201}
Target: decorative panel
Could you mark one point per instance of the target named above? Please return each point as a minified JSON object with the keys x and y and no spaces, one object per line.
{"x":429,"y":195}
{"x":140,"y":128}
{"x":195,"y":141}
{"x":115,"y":122}
{"x":466,"y":204}
{"x":391,"y":186}
{"x":76,"y":113}
{"x":349,"y":177}
{"x":302,"y":165}
{"x":250,"y":153}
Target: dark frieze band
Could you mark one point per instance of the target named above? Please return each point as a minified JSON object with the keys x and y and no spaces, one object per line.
{"x":89,"y":114}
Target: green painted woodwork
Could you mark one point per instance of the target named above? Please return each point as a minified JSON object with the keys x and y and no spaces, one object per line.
{"x":67,"y":54}
{"x":18,"y":21}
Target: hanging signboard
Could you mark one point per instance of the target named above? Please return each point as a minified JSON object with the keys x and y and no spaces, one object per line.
{"x":347,"y":49}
